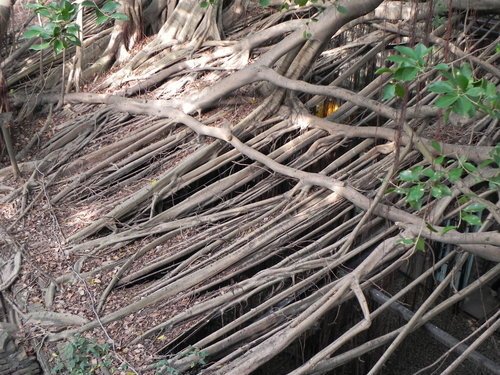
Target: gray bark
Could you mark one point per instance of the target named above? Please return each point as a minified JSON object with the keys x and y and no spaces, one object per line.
{"x":5,"y":6}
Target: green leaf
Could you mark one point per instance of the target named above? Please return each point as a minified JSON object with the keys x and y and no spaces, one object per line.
{"x":463,"y":107}
{"x":342,"y":9}
{"x":421,"y":50}
{"x":466,"y":71}
{"x":469,"y":167}
{"x":449,"y":76}
{"x":204,"y":4}
{"x":32,"y":32}
{"x":420,"y":245}
{"x":416,"y":193}
{"x":74,"y":40}
{"x":44,"y":12}
{"x":407,"y":51}
{"x":442,"y":67}
{"x":491,"y":90}
{"x":434,"y":176}
{"x":436,"y":146}
{"x":417,"y":170}
{"x":463,"y":199}
{"x":110,"y":7}
{"x":471,"y":219}
{"x":400,"y":90}
{"x":383,"y":70}
{"x":441,"y":87}
{"x":429,"y":173}
{"x":58,"y":46}
{"x":474,"y":207}
{"x":406,"y":241}
{"x":41,"y":46}
{"x":448,"y":228}
{"x":494,"y":183}
{"x":101,"y":19}
{"x":388,"y":92}
{"x":462,"y":81}
{"x":89,"y":4}
{"x":33,"y":6}
{"x":73,"y":28}
{"x":401,"y":60}
{"x":300,"y":3}
{"x":495,"y":154}
{"x":485,"y":163}
{"x":66,"y":11}
{"x":439,"y":160}
{"x":264,"y":3}
{"x":400,"y":190}
{"x":439,"y":191}
{"x":440,"y":175}
{"x":406,"y":74}
{"x":407,"y":176}
{"x":455,"y":174}
{"x":119,"y":16}
{"x":475,"y":92}
{"x":446,"y":101}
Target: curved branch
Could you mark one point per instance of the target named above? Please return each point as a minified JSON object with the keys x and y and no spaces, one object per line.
{"x":474,"y":153}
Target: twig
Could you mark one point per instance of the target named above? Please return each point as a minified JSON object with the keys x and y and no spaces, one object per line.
{"x":457,"y":345}
{"x":472,"y":347}
{"x":96,"y":314}
{"x":418,"y":314}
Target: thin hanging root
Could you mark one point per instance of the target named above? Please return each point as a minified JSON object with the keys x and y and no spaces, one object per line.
{"x":469,"y":351}
{"x":346,"y":337}
{"x":330,"y":364}
{"x":6,"y":137}
{"x":268,"y":106}
{"x":183,"y":283}
{"x":36,"y":138}
{"x":289,"y":293}
{"x":490,"y":239}
{"x":420,"y":312}
{"x":271,"y":347}
{"x":215,"y":305}
{"x":117,"y":277}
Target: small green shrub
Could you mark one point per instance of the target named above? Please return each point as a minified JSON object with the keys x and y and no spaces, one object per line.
{"x":59,"y":30}
{"x":457,"y":89}
{"x":81,"y":356}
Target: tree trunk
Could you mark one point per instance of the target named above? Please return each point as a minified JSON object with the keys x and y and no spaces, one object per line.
{"x":5,"y":9}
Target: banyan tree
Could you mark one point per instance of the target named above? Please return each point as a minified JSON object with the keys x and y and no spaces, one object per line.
{"x":235,"y":187}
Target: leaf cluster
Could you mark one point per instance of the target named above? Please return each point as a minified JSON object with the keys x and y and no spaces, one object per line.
{"x":407,"y":65}
{"x":82,"y":357}
{"x":459,"y":92}
{"x":418,"y":181}
{"x":60,"y":30}
{"x":457,"y":89}
{"x":106,"y":12}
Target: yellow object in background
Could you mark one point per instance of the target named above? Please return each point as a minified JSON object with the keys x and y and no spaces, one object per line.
{"x":327,"y":107}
